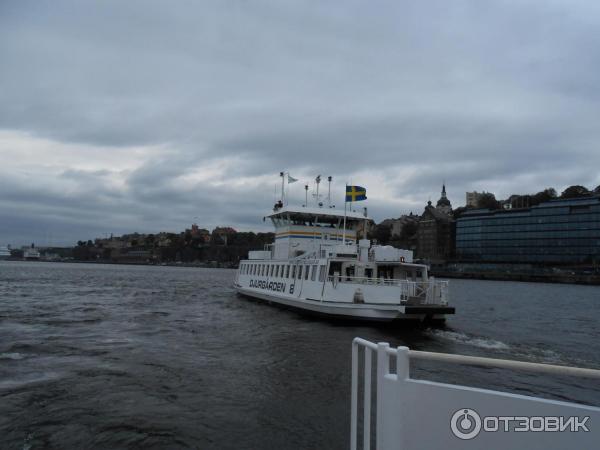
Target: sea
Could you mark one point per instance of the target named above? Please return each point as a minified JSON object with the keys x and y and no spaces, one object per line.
{"x":113,"y":356}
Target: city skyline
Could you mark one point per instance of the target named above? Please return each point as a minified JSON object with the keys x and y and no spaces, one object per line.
{"x":141,"y":117}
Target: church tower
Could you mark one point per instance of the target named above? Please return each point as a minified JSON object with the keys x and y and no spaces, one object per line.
{"x":443,"y":203}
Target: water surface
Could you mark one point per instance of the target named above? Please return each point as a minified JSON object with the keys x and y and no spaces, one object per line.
{"x":103,"y":356}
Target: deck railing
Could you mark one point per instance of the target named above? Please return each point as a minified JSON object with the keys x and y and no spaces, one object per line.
{"x":386,"y":432}
{"x":430,"y":292}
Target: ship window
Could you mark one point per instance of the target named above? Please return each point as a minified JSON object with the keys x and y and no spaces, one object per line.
{"x":280,"y":271}
{"x":271,"y":267}
{"x":263,"y":270}
{"x":293,"y":271}
{"x":322,"y":273}
{"x":313,"y":274}
{"x":276,"y":271}
{"x":306,"y":272}
{"x":300,"y":272}
{"x":335,"y":266}
{"x":287,"y":271}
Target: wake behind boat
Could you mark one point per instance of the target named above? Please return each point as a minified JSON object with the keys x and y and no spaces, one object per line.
{"x":320,"y":264}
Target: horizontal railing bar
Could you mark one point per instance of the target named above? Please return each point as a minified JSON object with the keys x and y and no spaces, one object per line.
{"x":364,"y":342}
{"x":505,"y":364}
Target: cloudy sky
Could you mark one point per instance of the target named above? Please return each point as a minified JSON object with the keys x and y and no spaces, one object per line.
{"x":120,"y":116}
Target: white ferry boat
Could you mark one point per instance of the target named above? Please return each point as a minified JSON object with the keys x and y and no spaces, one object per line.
{"x":320,"y":264}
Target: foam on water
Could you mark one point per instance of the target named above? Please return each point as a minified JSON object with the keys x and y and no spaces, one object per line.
{"x":463,"y":338}
{"x":12,"y":356}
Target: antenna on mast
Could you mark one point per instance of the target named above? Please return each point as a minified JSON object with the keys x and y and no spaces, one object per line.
{"x":329,"y":178}
{"x":318,"y":180}
{"x":306,"y":190}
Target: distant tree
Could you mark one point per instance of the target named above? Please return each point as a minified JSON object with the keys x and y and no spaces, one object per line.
{"x":80,"y":243}
{"x":542,"y":196}
{"x":575,"y":191}
{"x":90,"y":243}
{"x":597,"y":190}
{"x":488,"y":200}
{"x":382,"y":233}
{"x":460,"y":211}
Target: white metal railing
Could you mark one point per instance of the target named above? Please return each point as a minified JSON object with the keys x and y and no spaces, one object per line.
{"x":403,"y":355}
{"x":430,"y":292}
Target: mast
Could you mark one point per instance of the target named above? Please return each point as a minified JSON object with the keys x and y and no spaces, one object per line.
{"x":318,"y":180}
{"x":345,"y":202}
{"x":329,"y":178}
{"x":306,"y":194}
{"x":282,"y":175}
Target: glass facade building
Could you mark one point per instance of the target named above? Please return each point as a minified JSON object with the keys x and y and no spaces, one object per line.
{"x":554,"y":232}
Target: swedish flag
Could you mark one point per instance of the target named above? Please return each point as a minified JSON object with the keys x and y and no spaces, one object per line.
{"x":355,"y":193}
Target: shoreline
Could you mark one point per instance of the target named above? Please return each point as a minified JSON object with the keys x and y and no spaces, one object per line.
{"x":203,"y":265}
{"x":589,"y":280}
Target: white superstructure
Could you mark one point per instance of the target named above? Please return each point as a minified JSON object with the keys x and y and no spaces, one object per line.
{"x":319,"y":265}
{"x":4,"y":252}
{"x":31,"y":254}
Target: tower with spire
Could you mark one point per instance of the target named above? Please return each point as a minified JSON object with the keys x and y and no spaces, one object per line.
{"x":443,"y":204}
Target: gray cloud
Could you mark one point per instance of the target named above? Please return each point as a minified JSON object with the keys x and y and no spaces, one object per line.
{"x":145,"y":114}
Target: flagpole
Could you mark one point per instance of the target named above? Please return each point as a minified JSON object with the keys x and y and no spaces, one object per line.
{"x":345,"y":203}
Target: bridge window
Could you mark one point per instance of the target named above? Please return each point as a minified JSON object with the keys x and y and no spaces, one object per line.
{"x":287,"y":271}
{"x":306,"y":272}
{"x":300,"y":272}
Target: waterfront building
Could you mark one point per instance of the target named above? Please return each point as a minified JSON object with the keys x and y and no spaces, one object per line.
{"x":434,"y":235}
{"x":397,"y":225}
{"x":555,"y":232}
{"x":472,"y":199}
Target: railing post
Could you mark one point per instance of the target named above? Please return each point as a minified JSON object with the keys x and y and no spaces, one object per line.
{"x":383,"y":368}
{"x":367,"y":401}
{"x":402,"y":363}
{"x":402,"y":375}
{"x":354,"y":397}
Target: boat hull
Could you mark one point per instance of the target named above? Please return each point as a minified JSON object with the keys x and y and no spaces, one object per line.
{"x":354,"y":311}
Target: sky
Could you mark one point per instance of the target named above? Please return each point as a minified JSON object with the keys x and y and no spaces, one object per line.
{"x":148,"y":115}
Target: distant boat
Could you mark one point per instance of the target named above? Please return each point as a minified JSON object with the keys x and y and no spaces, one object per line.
{"x":31,"y":254}
{"x":4,"y":252}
